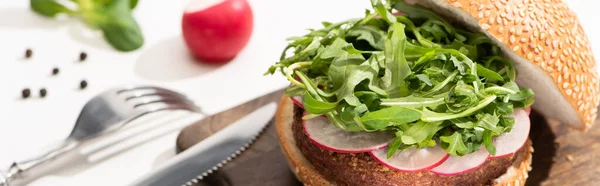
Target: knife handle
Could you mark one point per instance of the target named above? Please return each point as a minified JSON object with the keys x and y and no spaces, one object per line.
{"x":25,"y":169}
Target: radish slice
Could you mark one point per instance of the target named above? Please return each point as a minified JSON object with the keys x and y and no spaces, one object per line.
{"x":511,"y":142}
{"x":459,"y":164}
{"x":528,"y":110}
{"x":324,"y":134}
{"x":297,"y":100}
{"x":412,"y":159}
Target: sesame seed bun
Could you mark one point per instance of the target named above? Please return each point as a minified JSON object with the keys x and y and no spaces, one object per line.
{"x":515,"y":175}
{"x":551,"y":50}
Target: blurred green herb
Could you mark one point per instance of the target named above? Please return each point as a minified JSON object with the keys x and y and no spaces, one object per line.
{"x":113,"y":17}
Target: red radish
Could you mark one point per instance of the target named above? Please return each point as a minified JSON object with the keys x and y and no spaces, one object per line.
{"x":412,"y":159}
{"x":215,"y":31}
{"x":510,"y":142}
{"x":459,"y":164}
{"x":324,"y":134}
{"x":528,"y":110}
{"x":297,"y":100}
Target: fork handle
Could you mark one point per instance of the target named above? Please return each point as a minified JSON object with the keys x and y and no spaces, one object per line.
{"x":25,"y":169}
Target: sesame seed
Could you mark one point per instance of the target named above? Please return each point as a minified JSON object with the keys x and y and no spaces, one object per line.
{"x":516,"y":48}
{"x":569,"y":92}
{"x":523,"y":40}
{"x":485,"y":26}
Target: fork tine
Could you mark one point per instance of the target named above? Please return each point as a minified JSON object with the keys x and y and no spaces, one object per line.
{"x":159,"y":106}
{"x":161,"y":89}
{"x":144,"y":100}
{"x":148,"y":91}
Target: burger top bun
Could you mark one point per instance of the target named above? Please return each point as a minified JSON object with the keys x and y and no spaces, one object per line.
{"x":551,"y":51}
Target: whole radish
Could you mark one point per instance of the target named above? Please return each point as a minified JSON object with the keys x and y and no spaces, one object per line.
{"x":215,"y":31}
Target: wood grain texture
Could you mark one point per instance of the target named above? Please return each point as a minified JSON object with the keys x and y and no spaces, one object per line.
{"x":562,"y":155}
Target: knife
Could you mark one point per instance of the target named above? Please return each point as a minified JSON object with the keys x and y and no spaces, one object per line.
{"x":211,"y":153}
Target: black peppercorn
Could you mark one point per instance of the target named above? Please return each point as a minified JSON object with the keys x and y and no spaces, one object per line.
{"x":28,"y":53}
{"x":55,"y":71}
{"x":82,"y":56}
{"x":83,"y":84}
{"x":25,"y":93}
{"x":43,"y":92}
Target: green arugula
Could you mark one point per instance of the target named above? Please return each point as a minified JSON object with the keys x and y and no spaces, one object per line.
{"x":416,"y":75}
{"x":113,"y":17}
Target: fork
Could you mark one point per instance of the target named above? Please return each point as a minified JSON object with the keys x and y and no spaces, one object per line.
{"x":104,"y":113}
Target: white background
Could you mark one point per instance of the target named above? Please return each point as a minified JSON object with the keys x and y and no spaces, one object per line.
{"x":26,"y":126}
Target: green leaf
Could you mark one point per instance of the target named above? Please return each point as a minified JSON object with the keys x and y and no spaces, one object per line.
{"x":394,"y":146}
{"x":352,"y":76}
{"x":524,"y":98}
{"x":454,"y":144}
{"x":397,"y":67}
{"x":413,"y":101}
{"x":488,"y":122}
{"x":315,"y":106}
{"x":420,"y":132}
{"x":464,"y":123}
{"x":487,"y":73}
{"x":487,"y":141}
{"x":424,"y":78}
{"x":389,"y":116}
{"x":382,"y":11}
{"x":430,"y":116}
{"x":374,"y":36}
{"x":448,"y":85}
{"x":49,"y":8}
{"x":119,"y":27}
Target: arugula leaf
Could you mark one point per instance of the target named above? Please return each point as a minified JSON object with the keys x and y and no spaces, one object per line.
{"x":487,"y":73}
{"x":523,"y":99}
{"x":416,"y":102}
{"x":397,"y":67}
{"x":431,"y":116}
{"x":371,"y":34}
{"x":454,"y":144}
{"x":389,"y":116}
{"x":414,"y":75}
{"x":315,"y":106}
{"x":352,"y":76}
{"x":425,"y":79}
{"x":394,"y":146}
{"x":487,"y":141}
{"x":488,"y":122}
{"x":420,"y":132}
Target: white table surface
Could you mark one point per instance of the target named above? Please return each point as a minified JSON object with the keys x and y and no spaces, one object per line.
{"x":28,"y":125}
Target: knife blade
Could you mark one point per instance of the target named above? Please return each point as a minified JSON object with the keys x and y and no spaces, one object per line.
{"x":211,"y":153}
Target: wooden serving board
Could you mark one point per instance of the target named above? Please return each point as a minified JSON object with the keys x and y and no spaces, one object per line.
{"x":562,"y":156}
